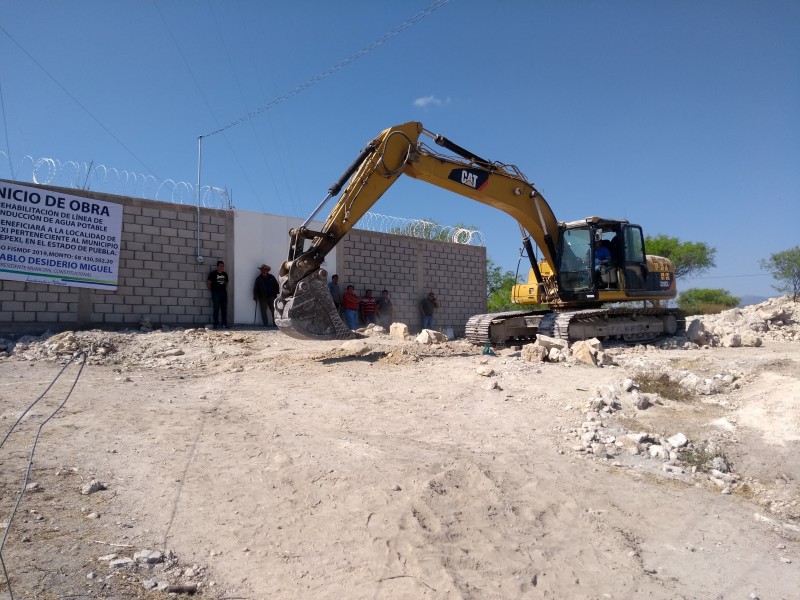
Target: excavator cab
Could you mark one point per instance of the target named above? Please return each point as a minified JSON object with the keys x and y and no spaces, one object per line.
{"x":604,"y":260}
{"x":590,"y":258}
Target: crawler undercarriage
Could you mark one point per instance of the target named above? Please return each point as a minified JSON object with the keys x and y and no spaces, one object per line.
{"x":623,"y":324}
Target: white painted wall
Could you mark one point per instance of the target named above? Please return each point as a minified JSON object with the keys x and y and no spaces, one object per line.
{"x":260,"y":238}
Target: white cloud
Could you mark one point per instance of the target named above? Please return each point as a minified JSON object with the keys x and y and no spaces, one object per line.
{"x":426,"y":101}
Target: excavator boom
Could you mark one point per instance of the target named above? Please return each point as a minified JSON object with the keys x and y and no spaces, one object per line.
{"x":304,"y":308}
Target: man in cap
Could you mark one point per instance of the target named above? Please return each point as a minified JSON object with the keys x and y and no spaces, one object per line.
{"x":265,"y":290}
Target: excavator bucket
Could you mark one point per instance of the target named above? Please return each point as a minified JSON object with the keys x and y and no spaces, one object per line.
{"x":309,"y":313}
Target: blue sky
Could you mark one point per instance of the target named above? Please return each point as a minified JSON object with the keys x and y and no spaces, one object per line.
{"x":682,"y":116}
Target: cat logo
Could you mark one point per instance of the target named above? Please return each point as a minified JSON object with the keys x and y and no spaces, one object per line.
{"x":470,"y":179}
{"x":474,"y":178}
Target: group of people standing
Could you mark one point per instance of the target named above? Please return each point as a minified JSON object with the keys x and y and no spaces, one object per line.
{"x":368,"y":309}
{"x":265,"y":290}
{"x":355,"y":309}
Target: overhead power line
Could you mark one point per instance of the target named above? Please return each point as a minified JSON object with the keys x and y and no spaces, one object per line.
{"x":338,"y":66}
{"x":731,"y":276}
{"x":76,"y":101}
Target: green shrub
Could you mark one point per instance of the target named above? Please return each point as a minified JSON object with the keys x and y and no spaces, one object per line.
{"x":706,"y":301}
{"x":663,"y":386}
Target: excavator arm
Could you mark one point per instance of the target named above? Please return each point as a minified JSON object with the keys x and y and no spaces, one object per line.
{"x":305,"y":309}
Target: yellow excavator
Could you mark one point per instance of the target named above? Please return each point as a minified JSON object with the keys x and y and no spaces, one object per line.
{"x":592,"y":275}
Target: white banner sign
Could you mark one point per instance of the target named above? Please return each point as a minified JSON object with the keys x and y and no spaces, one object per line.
{"x":60,"y":239}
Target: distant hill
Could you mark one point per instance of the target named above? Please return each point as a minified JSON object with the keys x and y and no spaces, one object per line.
{"x":748,"y":300}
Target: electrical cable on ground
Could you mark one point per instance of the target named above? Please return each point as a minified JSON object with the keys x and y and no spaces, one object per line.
{"x":77,"y":355}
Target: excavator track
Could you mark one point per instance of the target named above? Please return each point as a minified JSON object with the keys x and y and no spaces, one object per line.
{"x":499,"y":329}
{"x":632,"y":325}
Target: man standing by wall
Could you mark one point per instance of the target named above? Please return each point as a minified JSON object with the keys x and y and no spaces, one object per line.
{"x":428,"y":306}
{"x":350,"y":302}
{"x":368,"y":307}
{"x":217,"y":282}
{"x":336,"y":291}
{"x":385,"y":310}
{"x":265,"y":290}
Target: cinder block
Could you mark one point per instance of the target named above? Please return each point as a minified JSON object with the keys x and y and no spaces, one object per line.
{"x":12,"y":286}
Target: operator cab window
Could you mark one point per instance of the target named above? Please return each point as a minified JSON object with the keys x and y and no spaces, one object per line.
{"x":635,"y":261}
{"x":634,"y":245}
{"x":575,"y":266}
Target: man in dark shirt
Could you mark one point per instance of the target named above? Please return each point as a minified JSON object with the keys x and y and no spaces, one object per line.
{"x":217,"y":282}
{"x":428,"y":306}
{"x":385,"y":309}
{"x":265,"y":290}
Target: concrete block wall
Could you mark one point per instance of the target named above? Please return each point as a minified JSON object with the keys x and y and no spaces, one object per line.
{"x":160,"y":280}
{"x":411,"y":267}
{"x":159,"y":277}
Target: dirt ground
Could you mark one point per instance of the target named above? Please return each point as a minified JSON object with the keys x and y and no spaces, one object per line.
{"x":255,"y":466}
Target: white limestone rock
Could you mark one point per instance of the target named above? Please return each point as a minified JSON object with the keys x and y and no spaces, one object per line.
{"x":533,"y":353}
{"x":398,"y":331}
{"x":429,"y":336}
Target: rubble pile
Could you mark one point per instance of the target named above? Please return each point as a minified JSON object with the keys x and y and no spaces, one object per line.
{"x":153,"y":570}
{"x":601,"y":436}
{"x":162,"y":348}
{"x":553,"y":350}
{"x":777,"y":319}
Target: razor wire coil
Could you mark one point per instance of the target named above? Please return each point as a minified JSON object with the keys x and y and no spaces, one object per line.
{"x":110,"y":180}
